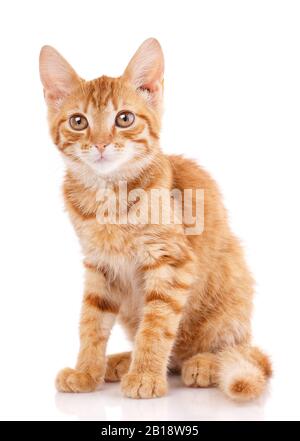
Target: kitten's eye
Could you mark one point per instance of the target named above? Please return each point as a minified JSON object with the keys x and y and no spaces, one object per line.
{"x":124,"y":119}
{"x":78,"y":122}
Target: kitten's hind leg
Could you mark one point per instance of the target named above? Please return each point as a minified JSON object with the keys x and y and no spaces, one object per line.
{"x":200,"y":370}
{"x":117,"y":365}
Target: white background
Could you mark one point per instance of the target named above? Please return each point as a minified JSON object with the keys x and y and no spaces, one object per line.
{"x":232,"y":101}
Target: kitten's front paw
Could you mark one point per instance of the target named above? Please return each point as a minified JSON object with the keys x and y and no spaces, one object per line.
{"x":71,"y":380}
{"x":135,"y":385}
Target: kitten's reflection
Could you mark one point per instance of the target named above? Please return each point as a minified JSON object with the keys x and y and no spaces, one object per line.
{"x":180,"y":404}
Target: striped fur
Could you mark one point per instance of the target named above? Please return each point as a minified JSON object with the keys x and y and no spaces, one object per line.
{"x":185,"y":301}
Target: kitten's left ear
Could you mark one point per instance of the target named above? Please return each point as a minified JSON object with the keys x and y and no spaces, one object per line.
{"x":57,"y":76}
{"x":146,"y":70}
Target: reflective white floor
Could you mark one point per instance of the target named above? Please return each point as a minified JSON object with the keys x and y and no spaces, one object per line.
{"x":180,"y":404}
{"x":278,"y":403}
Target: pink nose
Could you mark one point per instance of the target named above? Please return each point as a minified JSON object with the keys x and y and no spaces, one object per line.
{"x":101,"y":146}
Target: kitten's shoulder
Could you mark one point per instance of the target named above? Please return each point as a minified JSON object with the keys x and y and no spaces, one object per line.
{"x":187,"y":173}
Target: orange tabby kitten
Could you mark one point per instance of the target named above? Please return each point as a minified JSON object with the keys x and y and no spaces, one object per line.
{"x":184,"y":298}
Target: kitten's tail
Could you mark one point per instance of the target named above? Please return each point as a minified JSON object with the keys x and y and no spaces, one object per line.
{"x":243,"y":372}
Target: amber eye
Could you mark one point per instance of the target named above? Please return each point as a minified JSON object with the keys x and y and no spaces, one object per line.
{"x":124,"y":119}
{"x":78,"y":122}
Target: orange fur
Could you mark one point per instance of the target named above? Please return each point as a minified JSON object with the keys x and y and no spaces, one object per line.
{"x":186,"y":301}
{"x":117,"y":366}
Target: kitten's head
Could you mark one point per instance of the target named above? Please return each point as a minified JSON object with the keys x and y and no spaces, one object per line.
{"x":109,"y":125}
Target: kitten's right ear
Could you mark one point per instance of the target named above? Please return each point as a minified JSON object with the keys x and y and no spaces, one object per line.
{"x":57,"y":76}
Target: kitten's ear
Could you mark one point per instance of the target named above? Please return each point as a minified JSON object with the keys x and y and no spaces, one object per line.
{"x":146,"y":69}
{"x":57,"y":76}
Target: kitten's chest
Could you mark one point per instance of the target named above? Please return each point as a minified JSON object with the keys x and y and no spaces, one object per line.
{"x":117,"y":250}
{"x":107,"y":244}
{"x":102,"y":243}
{"x":120,"y":248}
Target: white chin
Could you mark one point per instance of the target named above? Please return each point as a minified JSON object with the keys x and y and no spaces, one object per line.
{"x":105,"y":167}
